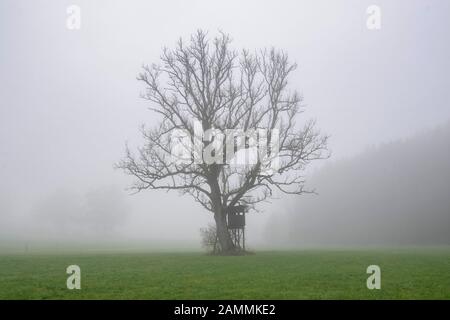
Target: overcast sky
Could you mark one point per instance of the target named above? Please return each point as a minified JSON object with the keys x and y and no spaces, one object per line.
{"x":70,"y":99}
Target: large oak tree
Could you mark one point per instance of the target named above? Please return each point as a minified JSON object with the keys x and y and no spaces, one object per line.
{"x":207,"y":82}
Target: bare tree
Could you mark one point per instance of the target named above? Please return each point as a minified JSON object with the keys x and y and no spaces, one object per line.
{"x":207,"y":81}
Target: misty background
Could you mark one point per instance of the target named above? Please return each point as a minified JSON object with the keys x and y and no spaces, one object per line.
{"x":70,"y":101}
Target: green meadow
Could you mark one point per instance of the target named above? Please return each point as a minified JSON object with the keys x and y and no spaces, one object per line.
{"x":307,"y":274}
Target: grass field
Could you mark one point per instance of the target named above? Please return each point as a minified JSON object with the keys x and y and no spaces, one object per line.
{"x":308,"y":274}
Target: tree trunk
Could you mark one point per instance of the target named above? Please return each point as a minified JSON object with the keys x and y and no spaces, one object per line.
{"x":220,"y":215}
{"x":226,"y":244}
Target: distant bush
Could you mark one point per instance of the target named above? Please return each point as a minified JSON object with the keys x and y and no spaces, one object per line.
{"x":209,"y":239}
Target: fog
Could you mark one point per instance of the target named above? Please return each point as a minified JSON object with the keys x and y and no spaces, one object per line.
{"x":70,"y":101}
{"x":393,"y":194}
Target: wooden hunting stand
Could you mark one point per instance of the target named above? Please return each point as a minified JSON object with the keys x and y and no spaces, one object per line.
{"x":236,"y":225}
